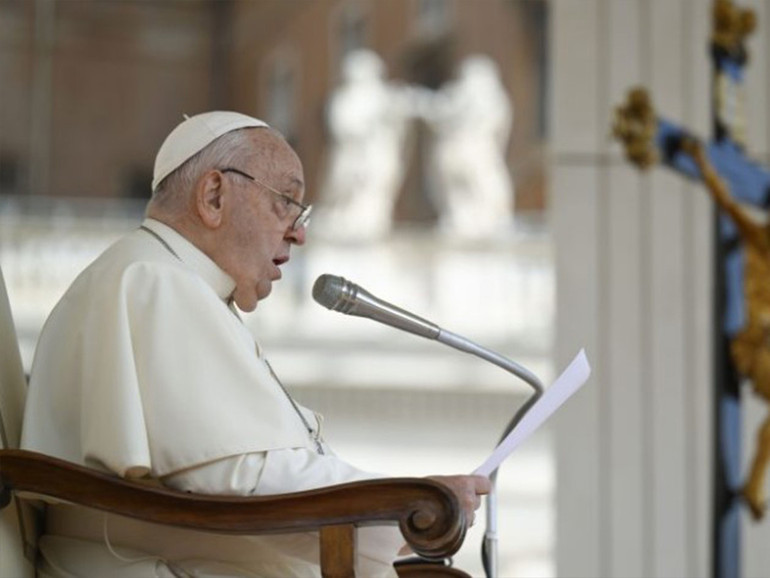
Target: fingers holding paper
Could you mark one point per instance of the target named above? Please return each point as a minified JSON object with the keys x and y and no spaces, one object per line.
{"x":468,"y":490}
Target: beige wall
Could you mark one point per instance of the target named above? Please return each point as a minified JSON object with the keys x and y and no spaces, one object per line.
{"x":90,"y":89}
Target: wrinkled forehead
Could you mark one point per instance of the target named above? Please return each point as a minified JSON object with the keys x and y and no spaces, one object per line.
{"x":272,"y":156}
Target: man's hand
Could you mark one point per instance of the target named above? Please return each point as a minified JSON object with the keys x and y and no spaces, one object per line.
{"x":468,"y":490}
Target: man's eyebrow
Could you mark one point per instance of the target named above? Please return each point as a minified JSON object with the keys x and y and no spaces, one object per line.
{"x":293,"y":187}
{"x":296,"y":183}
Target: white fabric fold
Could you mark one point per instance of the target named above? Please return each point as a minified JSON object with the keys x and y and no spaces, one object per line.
{"x":142,"y":368}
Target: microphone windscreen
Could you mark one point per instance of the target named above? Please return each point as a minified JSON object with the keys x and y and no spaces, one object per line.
{"x":328,"y":289}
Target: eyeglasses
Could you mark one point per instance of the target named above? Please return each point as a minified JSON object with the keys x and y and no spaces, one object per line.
{"x":301,"y":220}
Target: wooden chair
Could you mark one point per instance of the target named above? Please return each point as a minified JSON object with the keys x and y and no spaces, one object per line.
{"x":427,"y":512}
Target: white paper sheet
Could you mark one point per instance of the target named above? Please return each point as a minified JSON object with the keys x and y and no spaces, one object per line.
{"x":569,"y":382}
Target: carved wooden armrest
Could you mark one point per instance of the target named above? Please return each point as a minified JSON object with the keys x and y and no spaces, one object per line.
{"x":427,"y":512}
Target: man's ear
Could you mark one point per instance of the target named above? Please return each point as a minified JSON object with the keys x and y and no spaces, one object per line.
{"x":209,"y":198}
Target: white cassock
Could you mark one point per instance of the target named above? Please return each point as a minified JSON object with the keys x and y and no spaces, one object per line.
{"x":143,"y":370}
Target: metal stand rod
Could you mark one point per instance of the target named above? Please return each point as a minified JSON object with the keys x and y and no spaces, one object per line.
{"x":489,"y":544}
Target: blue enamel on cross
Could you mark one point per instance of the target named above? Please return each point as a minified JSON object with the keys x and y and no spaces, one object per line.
{"x":649,"y":138}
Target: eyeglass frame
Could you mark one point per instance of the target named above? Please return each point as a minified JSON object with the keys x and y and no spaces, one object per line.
{"x":302,"y":220}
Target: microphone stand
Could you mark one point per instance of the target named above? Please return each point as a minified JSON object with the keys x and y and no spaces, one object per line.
{"x":489,"y":544}
{"x":339,"y":294}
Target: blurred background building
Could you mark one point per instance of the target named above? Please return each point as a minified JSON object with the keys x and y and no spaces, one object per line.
{"x":90,"y":88}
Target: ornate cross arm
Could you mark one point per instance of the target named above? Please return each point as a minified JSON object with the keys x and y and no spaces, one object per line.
{"x":635,"y":126}
{"x":731,"y":26}
{"x":647,"y":139}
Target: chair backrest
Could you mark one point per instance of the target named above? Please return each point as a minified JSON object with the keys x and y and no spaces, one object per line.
{"x":13,"y":387}
{"x":15,"y":557}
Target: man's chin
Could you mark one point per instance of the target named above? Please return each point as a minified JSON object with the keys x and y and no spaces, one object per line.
{"x":248,"y":303}
{"x":263,"y":291}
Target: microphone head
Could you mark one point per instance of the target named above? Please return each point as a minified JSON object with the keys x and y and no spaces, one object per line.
{"x":329,"y":290}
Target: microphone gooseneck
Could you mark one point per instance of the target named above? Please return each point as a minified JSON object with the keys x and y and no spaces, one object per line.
{"x":339,"y":294}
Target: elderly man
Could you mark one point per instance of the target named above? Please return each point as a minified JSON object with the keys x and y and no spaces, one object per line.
{"x":145,"y":370}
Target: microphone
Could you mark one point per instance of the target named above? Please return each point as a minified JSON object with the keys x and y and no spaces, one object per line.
{"x":339,"y":294}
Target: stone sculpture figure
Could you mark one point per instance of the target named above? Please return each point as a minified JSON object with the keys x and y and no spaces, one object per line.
{"x":471,"y":119}
{"x":368,"y":119}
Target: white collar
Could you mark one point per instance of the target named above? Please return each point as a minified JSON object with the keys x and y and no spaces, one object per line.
{"x":197,"y":260}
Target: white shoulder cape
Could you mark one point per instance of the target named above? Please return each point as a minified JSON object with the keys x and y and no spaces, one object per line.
{"x":143,"y":368}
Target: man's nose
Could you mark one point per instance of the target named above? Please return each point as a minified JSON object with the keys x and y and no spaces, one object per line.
{"x":297,"y":236}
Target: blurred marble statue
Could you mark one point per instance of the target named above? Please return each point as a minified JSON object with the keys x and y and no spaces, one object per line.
{"x":471,"y":119}
{"x":368,"y":120}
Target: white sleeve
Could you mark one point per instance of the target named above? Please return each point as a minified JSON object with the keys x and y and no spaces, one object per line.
{"x":232,"y":476}
{"x":265,"y":473}
{"x":293,"y":470}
